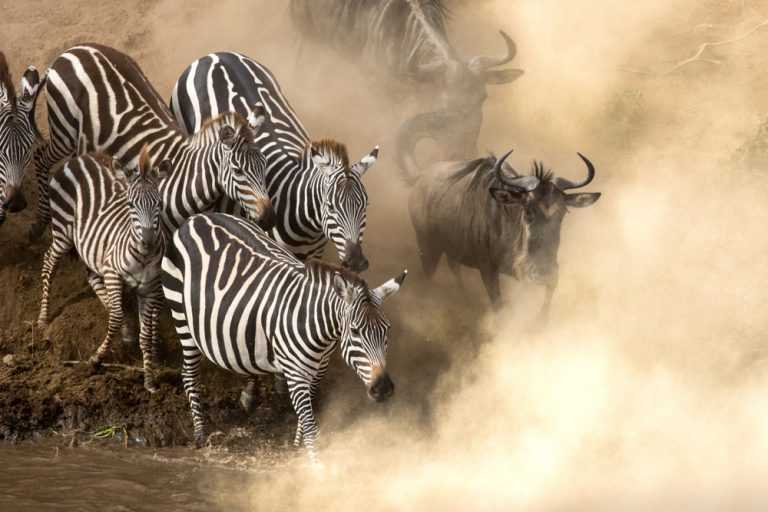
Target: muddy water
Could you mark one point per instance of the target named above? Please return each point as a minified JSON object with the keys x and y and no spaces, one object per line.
{"x":43,"y":477}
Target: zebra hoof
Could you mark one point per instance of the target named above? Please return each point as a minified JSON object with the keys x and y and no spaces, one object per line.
{"x":200,"y":439}
{"x":150,"y":386}
{"x":249,"y":401}
{"x":95,"y":362}
{"x":42,"y":323}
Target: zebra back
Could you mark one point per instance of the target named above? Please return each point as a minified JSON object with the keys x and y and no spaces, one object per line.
{"x":316,"y":191}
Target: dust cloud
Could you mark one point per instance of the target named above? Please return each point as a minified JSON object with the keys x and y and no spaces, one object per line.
{"x":648,"y":390}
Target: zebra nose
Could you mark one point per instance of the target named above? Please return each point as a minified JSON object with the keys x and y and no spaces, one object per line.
{"x":147,"y":236}
{"x":14,"y":200}
{"x":267,"y":216}
{"x":381,"y":388}
{"x":354,"y":259}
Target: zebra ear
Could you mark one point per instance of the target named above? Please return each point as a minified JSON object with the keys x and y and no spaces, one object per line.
{"x":390,"y":287}
{"x":227,"y":136}
{"x":30,"y":82}
{"x":256,"y":117}
{"x":343,"y":288}
{"x":321,"y":162}
{"x":162,"y":171}
{"x":123,"y":172}
{"x":368,"y":160}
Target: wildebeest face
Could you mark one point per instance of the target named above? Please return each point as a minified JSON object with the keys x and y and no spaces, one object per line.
{"x":541,"y":206}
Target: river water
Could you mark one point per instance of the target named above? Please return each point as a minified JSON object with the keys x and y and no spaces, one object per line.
{"x":109,"y":477}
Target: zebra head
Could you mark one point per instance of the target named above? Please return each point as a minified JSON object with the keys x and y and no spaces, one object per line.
{"x":244,"y":167}
{"x":144,"y":201}
{"x":344,"y":200}
{"x":18,"y":133}
{"x":364,"y":331}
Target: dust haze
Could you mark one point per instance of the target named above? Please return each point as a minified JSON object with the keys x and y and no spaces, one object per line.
{"x":648,"y":390}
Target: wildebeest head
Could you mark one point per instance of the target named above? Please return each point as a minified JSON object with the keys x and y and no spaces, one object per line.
{"x":464,"y":83}
{"x":540,"y":201}
{"x":364,"y":331}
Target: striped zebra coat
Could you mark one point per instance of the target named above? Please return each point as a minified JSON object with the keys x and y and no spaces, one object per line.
{"x":115,"y":228}
{"x":18,"y":133}
{"x":99,"y":100}
{"x":316,"y":192}
{"x":245,"y":303}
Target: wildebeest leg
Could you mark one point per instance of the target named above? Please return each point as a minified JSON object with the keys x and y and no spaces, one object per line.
{"x":455,"y":267}
{"x":491,"y":281}
{"x":543,"y":318}
{"x":249,"y":397}
{"x":430,"y":255}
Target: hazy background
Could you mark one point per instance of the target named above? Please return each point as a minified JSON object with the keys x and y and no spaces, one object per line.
{"x":649,"y":388}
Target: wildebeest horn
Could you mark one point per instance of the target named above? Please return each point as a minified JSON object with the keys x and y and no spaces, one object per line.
{"x":564,"y":184}
{"x":482,"y":62}
{"x":527,"y":183}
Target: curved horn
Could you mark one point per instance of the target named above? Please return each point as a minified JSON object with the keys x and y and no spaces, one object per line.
{"x":564,"y":184}
{"x":482,"y":62}
{"x":527,"y":183}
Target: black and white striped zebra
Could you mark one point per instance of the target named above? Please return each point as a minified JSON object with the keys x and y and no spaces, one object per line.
{"x":99,"y":100}
{"x":18,"y":133}
{"x":244,"y":302}
{"x":115,"y":228}
{"x":317,"y":194}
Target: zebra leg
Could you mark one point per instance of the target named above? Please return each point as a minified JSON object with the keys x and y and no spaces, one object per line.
{"x":116,"y":316}
{"x":45,"y":157}
{"x":2,"y":216}
{"x":301,"y":397}
{"x":59,"y":247}
{"x":249,"y":397}
{"x":281,"y":387}
{"x":130,"y":327}
{"x":97,"y":284}
{"x":190,"y":376}
{"x":148,"y":309}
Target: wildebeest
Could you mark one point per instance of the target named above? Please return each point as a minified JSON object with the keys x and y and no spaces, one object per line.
{"x":483,"y":215}
{"x":405,"y":41}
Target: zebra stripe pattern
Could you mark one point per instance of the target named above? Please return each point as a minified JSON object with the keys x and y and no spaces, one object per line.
{"x":18,"y":133}
{"x":99,"y":100}
{"x":245,"y":303}
{"x":317,"y":194}
{"x":115,"y":228}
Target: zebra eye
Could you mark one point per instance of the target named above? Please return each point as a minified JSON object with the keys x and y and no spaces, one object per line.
{"x":331,"y":209}
{"x":354,"y":331}
{"x":237,"y":170}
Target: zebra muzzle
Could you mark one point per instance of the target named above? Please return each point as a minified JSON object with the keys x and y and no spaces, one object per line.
{"x":14,"y":200}
{"x":354,"y":259}
{"x":382,"y":387}
{"x":266,"y":214}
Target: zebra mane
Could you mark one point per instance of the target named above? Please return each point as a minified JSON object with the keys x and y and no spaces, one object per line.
{"x":145,"y":162}
{"x":332,"y":150}
{"x":321,"y":268}
{"x":209,"y":131}
{"x":7,"y":80}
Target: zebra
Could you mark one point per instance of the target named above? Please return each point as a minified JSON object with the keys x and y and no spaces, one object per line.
{"x":111,"y":216}
{"x":248,"y":305}
{"x":317,"y":194}
{"x":99,"y":100}
{"x":18,"y":134}
{"x":405,"y":42}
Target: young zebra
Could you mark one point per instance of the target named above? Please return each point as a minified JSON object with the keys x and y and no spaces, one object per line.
{"x":99,"y":100}
{"x":249,"y":306}
{"x":317,"y":194}
{"x":18,"y":133}
{"x":115,"y":228}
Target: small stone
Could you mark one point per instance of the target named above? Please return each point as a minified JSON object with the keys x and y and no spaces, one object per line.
{"x":9,"y":360}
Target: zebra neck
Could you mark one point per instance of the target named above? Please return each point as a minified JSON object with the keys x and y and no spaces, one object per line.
{"x":193,"y":187}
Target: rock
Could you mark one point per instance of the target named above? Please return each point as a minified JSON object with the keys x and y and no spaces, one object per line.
{"x":9,"y":360}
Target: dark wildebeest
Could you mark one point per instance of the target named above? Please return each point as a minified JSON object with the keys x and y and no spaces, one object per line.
{"x":483,"y":215}
{"x":18,"y":133}
{"x":405,"y":42}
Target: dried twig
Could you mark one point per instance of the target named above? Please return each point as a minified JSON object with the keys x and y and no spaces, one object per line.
{"x":697,"y":56}
{"x":105,"y":365}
